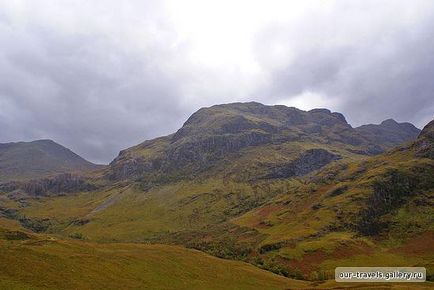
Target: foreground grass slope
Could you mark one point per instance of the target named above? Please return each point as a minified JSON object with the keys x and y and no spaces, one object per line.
{"x":43,"y":262}
{"x":30,"y":261}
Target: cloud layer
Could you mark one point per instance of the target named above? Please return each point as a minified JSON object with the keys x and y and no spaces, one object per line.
{"x":99,"y":76}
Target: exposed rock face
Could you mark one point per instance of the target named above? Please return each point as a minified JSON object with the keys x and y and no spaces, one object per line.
{"x":425,"y":142}
{"x":307,"y":162}
{"x":63,"y":183}
{"x":210,"y":134}
{"x":143,"y":158}
{"x":210,"y":148}
{"x":122,"y":169}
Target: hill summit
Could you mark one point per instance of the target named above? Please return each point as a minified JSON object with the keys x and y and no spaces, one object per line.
{"x":37,"y":159}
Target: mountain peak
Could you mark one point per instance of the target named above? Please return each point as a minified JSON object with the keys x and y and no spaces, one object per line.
{"x":320,"y":110}
{"x":48,"y":141}
{"x":39,"y":158}
{"x":235,"y":118}
{"x":389,"y":132}
{"x":389,"y":122}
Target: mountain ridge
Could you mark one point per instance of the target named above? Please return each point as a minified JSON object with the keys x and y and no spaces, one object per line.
{"x":212,"y":133}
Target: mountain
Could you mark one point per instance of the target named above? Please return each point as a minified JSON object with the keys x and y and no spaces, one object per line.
{"x":293,"y":192}
{"x":212,"y":134}
{"x":37,"y":159}
{"x":389,"y":133}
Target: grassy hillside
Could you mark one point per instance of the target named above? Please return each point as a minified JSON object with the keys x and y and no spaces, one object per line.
{"x":30,"y":261}
{"x":297,"y":227}
{"x":43,"y":262}
{"x":378,"y":212}
{"x":292,"y":192}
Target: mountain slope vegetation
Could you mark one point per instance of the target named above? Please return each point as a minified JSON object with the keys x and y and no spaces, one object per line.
{"x":293,"y":192}
{"x":40,"y":261}
{"x":31,"y":261}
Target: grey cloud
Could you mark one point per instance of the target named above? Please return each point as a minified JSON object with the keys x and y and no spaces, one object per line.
{"x":385,"y":74}
{"x":84,"y":91}
{"x":98,"y":76}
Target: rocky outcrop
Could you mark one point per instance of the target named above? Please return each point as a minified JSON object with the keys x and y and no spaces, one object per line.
{"x":308,"y":161}
{"x":60,"y":184}
{"x":193,"y":155}
{"x":209,"y":149}
{"x":424,"y":144}
{"x":129,"y":167}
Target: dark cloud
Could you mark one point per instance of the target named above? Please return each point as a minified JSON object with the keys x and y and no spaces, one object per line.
{"x":383,"y":73}
{"x":99,"y":76}
{"x":84,"y":90}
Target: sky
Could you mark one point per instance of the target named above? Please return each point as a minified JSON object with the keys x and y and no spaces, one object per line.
{"x":100,"y":76}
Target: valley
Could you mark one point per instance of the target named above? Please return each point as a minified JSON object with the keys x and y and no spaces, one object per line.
{"x":278,"y":195}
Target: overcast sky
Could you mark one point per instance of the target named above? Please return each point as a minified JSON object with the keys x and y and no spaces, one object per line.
{"x":99,"y":76}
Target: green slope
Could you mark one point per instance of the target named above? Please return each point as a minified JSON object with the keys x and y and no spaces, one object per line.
{"x":293,"y":192}
{"x":30,"y":261}
{"x":42,"y":262}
